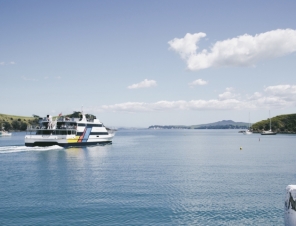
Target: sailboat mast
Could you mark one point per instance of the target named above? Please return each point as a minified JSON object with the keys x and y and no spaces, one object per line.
{"x":249,"y":120}
{"x":269,"y":121}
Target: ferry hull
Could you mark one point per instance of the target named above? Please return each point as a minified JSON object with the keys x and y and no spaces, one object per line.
{"x":65,"y":141}
{"x":81,"y":144}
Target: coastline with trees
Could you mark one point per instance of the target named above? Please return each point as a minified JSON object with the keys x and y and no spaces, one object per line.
{"x":285,"y":124}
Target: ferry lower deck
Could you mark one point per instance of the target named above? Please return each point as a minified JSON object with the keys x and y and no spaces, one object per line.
{"x":67,"y":138}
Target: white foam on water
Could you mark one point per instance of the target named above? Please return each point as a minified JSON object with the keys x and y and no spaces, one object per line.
{"x":14,"y":149}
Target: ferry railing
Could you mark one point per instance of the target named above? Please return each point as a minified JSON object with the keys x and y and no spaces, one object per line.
{"x":38,"y":127}
{"x":42,"y":130}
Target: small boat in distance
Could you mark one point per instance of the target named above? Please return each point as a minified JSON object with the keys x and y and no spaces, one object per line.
{"x":68,"y":132}
{"x":4,"y":133}
{"x":248,"y":131}
{"x":268,"y":132}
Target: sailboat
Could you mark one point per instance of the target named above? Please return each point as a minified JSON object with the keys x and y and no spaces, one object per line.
{"x":248,"y":131}
{"x":268,"y":132}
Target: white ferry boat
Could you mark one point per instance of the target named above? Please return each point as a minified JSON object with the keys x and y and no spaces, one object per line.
{"x":68,"y":132}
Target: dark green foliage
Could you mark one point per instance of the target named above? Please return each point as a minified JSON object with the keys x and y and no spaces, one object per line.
{"x":16,"y":125}
{"x":23,"y":126}
{"x":281,"y":124}
{"x":6,"y":125}
{"x":77,"y":114}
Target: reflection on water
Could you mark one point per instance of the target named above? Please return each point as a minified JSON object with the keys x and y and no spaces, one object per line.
{"x":75,"y":153}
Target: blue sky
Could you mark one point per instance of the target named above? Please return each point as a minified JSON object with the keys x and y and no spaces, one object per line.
{"x":141,"y":63}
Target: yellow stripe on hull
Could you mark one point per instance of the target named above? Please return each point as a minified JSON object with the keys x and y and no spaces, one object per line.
{"x":73,"y":140}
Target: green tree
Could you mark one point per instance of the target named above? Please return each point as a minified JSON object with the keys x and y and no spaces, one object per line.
{"x":6,"y":125}
{"x":23,"y":126}
{"x":16,"y":125}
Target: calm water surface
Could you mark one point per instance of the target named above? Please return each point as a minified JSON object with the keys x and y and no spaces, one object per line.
{"x":149,"y":177}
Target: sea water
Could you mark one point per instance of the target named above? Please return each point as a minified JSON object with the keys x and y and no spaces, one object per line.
{"x":149,"y":177}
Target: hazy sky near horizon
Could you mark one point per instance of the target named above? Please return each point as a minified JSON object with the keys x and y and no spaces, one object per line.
{"x":141,"y":63}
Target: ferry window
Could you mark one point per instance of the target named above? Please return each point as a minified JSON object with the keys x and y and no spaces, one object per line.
{"x":97,"y":125}
{"x":61,"y":132}
{"x":80,"y":124}
{"x":59,"y":125}
{"x":46,"y":132}
{"x":99,"y":133}
{"x":72,"y":124}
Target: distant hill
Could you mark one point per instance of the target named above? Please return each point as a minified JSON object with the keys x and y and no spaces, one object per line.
{"x":280,"y":124}
{"x":224,"y":124}
{"x":14,"y":122}
{"x":169,"y":127}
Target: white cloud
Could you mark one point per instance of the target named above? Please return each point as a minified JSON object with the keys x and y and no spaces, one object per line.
{"x":144,"y":84}
{"x":279,"y":96}
{"x":254,"y":96}
{"x":199,"y":82}
{"x":228,"y":94}
{"x":187,"y":45}
{"x":284,"y":92}
{"x":174,"y":105}
{"x":281,"y":90}
{"x":244,"y":50}
{"x":3,"y":63}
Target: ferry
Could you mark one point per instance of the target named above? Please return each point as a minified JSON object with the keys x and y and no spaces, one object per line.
{"x":68,"y":132}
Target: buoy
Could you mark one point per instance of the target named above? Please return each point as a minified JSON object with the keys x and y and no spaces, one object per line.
{"x":240,"y":148}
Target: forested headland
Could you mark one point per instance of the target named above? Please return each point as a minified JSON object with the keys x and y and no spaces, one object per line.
{"x":16,"y":123}
{"x":279,"y":124}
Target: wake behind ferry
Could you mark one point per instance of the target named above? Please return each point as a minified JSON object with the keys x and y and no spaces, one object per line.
{"x":66,"y":132}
